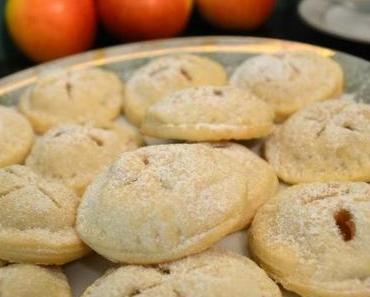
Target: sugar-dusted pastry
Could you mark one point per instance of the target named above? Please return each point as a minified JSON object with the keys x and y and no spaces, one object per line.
{"x":37,"y":219}
{"x":210,"y":274}
{"x":73,"y":154}
{"x":290,"y":80}
{"x":73,"y":97}
{"x":16,"y":137}
{"x":209,"y":114}
{"x":314,"y":239}
{"x":164,"y":202}
{"x":165,"y":75}
{"x":24,"y":280}
{"x":324,"y":142}
{"x":260,"y":176}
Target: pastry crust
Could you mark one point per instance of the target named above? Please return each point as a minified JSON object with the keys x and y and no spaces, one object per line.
{"x":165,"y":75}
{"x":314,"y":239}
{"x":324,"y":142}
{"x":210,"y":274}
{"x":290,"y":81}
{"x":209,"y":114}
{"x":37,"y":219}
{"x":89,"y":95}
{"x":261,"y":178}
{"x":16,"y":137}
{"x":23,"y":280}
{"x":74,"y":154}
{"x":161,"y":203}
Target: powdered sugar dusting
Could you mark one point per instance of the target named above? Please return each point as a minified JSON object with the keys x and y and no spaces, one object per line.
{"x":302,"y":221}
{"x":207,"y":274}
{"x":167,"y":197}
{"x":74,"y":154}
{"x":326,"y":141}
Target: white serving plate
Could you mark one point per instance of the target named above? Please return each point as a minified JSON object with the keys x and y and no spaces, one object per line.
{"x":230,"y":51}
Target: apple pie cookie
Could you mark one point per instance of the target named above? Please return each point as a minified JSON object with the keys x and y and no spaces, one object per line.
{"x":163,"y":202}
{"x":324,"y":142}
{"x":16,"y":137}
{"x":165,"y":75}
{"x":210,"y":274}
{"x":73,"y":154}
{"x":24,"y":280}
{"x":314,"y":239}
{"x":209,"y":114}
{"x":290,"y":80}
{"x":37,"y":219}
{"x":73,"y":97}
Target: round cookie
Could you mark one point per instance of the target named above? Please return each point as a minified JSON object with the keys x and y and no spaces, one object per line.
{"x":314,"y":239}
{"x":73,"y":97}
{"x":260,"y":176}
{"x":75,"y":154}
{"x":161,"y":203}
{"x":23,"y":280}
{"x":37,"y":219}
{"x":209,"y":114}
{"x":210,"y":274}
{"x":165,"y":75}
{"x":290,"y":80}
{"x":16,"y":137}
{"x":323,"y":142}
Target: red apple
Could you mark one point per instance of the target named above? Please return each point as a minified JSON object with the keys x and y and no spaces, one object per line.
{"x":49,"y":29}
{"x":144,"y":19}
{"x":236,"y":14}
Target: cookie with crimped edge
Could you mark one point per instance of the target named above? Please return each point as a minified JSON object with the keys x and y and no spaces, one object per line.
{"x":209,"y":113}
{"x":323,"y":142}
{"x":165,"y":75}
{"x":37,"y":219}
{"x":290,"y":80}
{"x":73,"y":97}
{"x":261,"y":178}
{"x":314,"y":239}
{"x":16,"y":137}
{"x":214,"y":273}
{"x":24,"y":280}
{"x":161,"y":203}
{"x":74,"y":154}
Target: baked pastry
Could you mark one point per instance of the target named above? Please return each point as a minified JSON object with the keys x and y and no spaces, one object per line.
{"x":37,"y":219}
{"x":210,"y":274}
{"x":161,"y":203}
{"x":74,"y":154}
{"x":261,"y":178}
{"x":165,"y":75}
{"x":209,"y":114}
{"x":290,"y":80}
{"x":314,"y":239}
{"x":23,"y":280}
{"x":16,"y":137}
{"x":73,"y":97}
{"x":324,"y":142}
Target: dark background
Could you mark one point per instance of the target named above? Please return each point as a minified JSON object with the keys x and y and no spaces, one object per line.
{"x":285,"y":23}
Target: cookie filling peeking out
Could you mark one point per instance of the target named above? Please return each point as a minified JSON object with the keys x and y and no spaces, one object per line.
{"x":344,"y":221}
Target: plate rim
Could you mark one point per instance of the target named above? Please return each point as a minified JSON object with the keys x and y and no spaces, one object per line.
{"x":320,"y":26}
{"x":147,"y":49}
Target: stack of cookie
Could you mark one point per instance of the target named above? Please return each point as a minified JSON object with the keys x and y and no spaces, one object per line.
{"x":82,"y":183}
